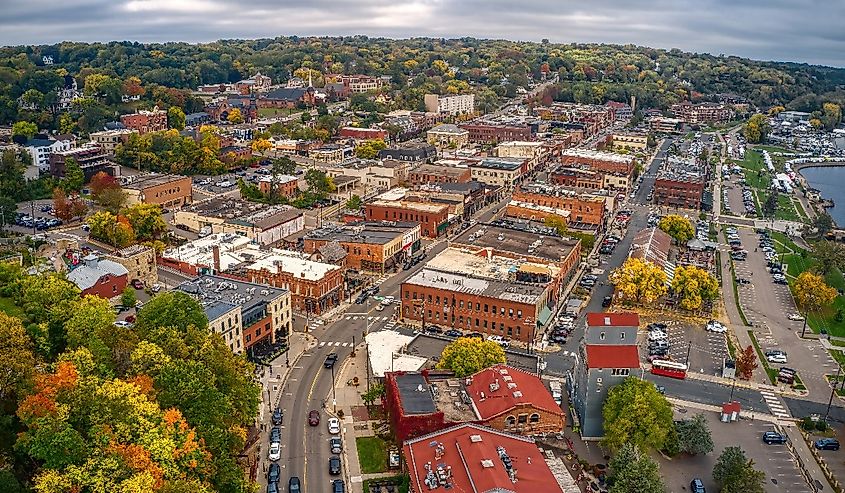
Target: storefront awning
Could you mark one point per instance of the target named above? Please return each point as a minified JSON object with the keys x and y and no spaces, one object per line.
{"x":545,"y":315}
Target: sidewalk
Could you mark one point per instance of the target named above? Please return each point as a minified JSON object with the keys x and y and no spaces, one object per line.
{"x":806,"y":460}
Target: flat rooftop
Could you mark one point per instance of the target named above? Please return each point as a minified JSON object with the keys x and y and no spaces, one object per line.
{"x":152,"y":180}
{"x":373,"y":233}
{"x":449,"y":281}
{"x":681,"y":170}
{"x":219,"y":295}
{"x":440,"y":169}
{"x":415,"y":394}
{"x":407,"y":204}
{"x":532,"y":240}
{"x":500,"y":163}
{"x":276,"y":261}
{"x":598,"y":155}
{"x":480,"y":265}
{"x":200,"y":252}
{"x":224,"y":207}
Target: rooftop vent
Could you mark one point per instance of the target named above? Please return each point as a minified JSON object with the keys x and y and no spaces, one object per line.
{"x":475,"y":438}
{"x":486,"y":463}
{"x":517,"y":393}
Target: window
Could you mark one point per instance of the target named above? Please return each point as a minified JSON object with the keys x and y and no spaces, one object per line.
{"x":510,"y":312}
{"x":622,"y":335}
{"x":462,"y":303}
{"x":534,"y":418}
{"x":602,"y":336}
{"x":510,"y":421}
{"x":519,"y":314}
{"x":523,"y":418}
{"x":619,"y":372}
{"x":485,"y":308}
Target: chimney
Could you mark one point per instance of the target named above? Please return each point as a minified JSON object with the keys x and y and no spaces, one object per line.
{"x":215,"y":251}
{"x":489,"y":254}
{"x":91,"y":261}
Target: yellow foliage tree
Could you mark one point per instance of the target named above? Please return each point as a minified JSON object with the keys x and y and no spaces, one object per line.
{"x":235,"y":116}
{"x":812,"y":293}
{"x":468,"y":355}
{"x":692,"y":285}
{"x":639,"y":281}
{"x":261,"y":145}
{"x":678,"y":227}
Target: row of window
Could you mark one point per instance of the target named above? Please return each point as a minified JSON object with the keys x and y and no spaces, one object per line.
{"x":468,"y":322}
{"x":522,"y":419}
{"x":460,"y":304}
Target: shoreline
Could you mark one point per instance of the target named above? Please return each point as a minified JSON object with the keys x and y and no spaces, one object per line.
{"x":807,"y":185}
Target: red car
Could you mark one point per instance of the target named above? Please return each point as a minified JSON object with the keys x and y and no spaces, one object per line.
{"x":313,"y":418}
{"x":137,"y":284}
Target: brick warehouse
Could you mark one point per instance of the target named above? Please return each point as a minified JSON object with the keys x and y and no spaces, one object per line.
{"x":583,"y":209}
{"x":433,"y":217}
{"x":607,"y":162}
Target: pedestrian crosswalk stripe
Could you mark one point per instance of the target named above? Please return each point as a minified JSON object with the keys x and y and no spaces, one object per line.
{"x":323,"y":343}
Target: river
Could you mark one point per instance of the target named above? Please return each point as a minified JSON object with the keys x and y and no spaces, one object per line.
{"x":830,"y":181}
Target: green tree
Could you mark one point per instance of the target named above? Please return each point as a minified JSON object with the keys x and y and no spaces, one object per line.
{"x":146,"y":220}
{"x":694,"y":435}
{"x":67,"y":123}
{"x":175,"y":118}
{"x":376,"y":392}
{"x":771,"y":204}
{"x":823,"y":223}
{"x":636,"y":413}
{"x":24,"y":129}
{"x":829,"y":255}
{"x":172,"y":309}
{"x":369,"y":149}
{"x":631,"y":470}
{"x":735,"y":473}
{"x":128,"y":298}
{"x":354,"y":203}
{"x":557,"y":223}
{"x":319,"y":182}
{"x":17,"y":361}
{"x":756,"y":129}
{"x":74,"y":177}
{"x":678,"y":227}
{"x":283,"y":166}
{"x":468,"y":355}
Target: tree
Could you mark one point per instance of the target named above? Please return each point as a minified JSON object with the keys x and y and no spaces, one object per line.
{"x":812,"y":292}
{"x":17,"y":361}
{"x":128,"y":298}
{"x":74,"y":177}
{"x":692,"y":285}
{"x":261,"y":145}
{"x":283,"y":166}
{"x":145,"y":220}
{"x":369,"y":149}
{"x":823,"y":223}
{"x":175,"y":118}
{"x":557,"y":223}
{"x":639,"y":281}
{"x":27,"y":130}
{"x":114,"y":230}
{"x":694,"y":435}
{"x":33,"y":97}
{"x":735,"y":473}
{"x":67,"y":209}
{"x":829,"y":255}
{"x":631,"y":470}
{"x":746,"y":363}
{"x":319,"y":182}
{"x":468,"y":355}
{"x":831,"y":115}
{"x":756,"y":129}
{"x":376,"y":392}
{"x":636,"y":413}
{"x":172,"y":309}
{"x":67,"y":123}
{"x":235,"y":117}
{"x":678,"y":227}
{"x":106,"y":192}
{"x":354,"y":203}
{"x":771,"y":204}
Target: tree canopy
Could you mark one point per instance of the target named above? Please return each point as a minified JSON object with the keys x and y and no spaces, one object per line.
{"x":678,"y":227}
{"x":636,"y":413}
{"x":639,"y":281}
{"x":812,"y":292}
{"x":468,"y":355}
{"x":735,"y":473}
{"x":693,"y":285}
{"x":632,"y":470}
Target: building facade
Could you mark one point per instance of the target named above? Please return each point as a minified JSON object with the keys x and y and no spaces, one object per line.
{"x":145,"y":121}
{"x":370,"y":246}
{"x":159,"y":189}
{"x":433,"y":217}
{"x":459,"y":104}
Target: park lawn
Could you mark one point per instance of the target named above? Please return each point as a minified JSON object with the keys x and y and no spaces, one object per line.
{"x":264,"y":112}
{"x":786,"y":209}
{"x":8,"y":306}
{"x":372,"y":454}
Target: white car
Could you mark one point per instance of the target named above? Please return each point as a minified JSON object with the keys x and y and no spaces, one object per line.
{"x":657,"y":335}
{"x":275,"y":451}
{"x":500,"y":340}
{"x":778,"y":358}
{"x":717,"y":327}
{"x":388,"y":300}
{"x":123,"y":324}
{"x":334,"y":426}
{"x":796,"y":317}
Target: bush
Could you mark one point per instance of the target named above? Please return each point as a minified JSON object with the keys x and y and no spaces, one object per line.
{"x":673,"y":445}
{"x":821,"y":425}
{"x":808,"y":424}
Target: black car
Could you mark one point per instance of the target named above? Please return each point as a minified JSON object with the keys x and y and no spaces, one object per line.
{"x":277,"y":416}
{"x":453,"y":333}
{"x":697,"y":486}
{"x":334,"y":465}
{"x":771,"y":437}
{"x":362,"y":298}
{"x":558,"y":339}
{"x":338,"y":486}
{"x":331,"y":359}
{"x":293,"y":485}
{"x":476,"y":334}
{"x":607,"y":301}
{"x":275,"y":434}
{"x":272,"y":488}
{"x":433,"y":329}
{"x":274,"y":473}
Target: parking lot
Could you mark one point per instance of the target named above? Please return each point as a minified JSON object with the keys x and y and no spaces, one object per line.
{"x":689,"y":341}
{"x":776,"y":461}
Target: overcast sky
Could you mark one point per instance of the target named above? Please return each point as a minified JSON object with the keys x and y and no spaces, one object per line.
{"x":791,"y":30}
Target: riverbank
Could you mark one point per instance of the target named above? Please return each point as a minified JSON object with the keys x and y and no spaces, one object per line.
{"x":827,"y":184}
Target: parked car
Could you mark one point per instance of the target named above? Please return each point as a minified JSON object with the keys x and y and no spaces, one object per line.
{"x":334,"y":465}
{"x":122,"y":324}
{"x":453,"y":333}
{"x":338,"y":486}
{"x":274,"y":473}
{"x":796,"y":317}
{"x":334,"y":426}
{"x":277,"y":416}
{"x":826,"y":444}
{"x":716,"y":326}
{"x":657,"y":335}
{"x":433,"y":329}
{"x":294,"y":485}
{"x":331,"y":359}
{"x":335,"y":445}
{"x":313,"y":417}
{"x":275,"y":434}
{"x":607,"y":301}
{"x":137,"y":284}
{"x":772,"y":437}
{"x":272,"y":488}
{"x":275,"y":451}
{"x":697,"y":486}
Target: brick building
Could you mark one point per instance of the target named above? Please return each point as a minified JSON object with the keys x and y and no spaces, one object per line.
{"x":284,"y":185}
{"x":681,"y":183}
{"x":145,"y":121}
{"x":139,"y":261}
{"x":577,"y":177}
{"x":702,"y":112}
{"x":584,"y":210}
{"x":433,"y":217}
{"x":607,"y":162}
{"x":370,"y":246}
{"x":91,"y":158}
{"x":159,"y":189}
{"x":448,"y":135}
{"x":357,"y":133}
{"x":99,"y":277}
{"x":426,"y":174}
{"x":492,"y":133}
{"x":534,"y":212}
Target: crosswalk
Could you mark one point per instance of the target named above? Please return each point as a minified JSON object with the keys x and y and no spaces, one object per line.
{"x":380,"y":280}
{"x":316,"y":323}
{"x":775,"y":404}
{"x":363,"y":317}
{"x":334,"y":343}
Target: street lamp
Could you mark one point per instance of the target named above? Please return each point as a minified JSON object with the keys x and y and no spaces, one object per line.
{"x":334,"y":392}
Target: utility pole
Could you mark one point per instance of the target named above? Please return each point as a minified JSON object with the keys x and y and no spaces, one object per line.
{"x":804,"y":328}
{"x":832,"y":391}
{"x":32,"y":214}
{"x":689,"y":350}
{"x":334,"y":392}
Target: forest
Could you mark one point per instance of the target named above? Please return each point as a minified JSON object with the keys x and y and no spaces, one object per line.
{"x":591,"y":73}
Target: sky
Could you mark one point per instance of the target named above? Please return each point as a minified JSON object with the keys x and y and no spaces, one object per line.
{"x":784,"y":30}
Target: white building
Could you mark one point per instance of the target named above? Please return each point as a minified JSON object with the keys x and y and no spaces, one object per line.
{"x":41,"y":149}
{"x":460,"y":104}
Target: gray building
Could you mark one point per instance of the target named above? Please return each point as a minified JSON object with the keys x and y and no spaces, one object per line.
{"x":608,"y":355}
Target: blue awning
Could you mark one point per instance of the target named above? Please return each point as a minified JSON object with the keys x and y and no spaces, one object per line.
{"x":545,"y":315}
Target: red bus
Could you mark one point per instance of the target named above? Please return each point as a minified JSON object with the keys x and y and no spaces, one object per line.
{"x":670,"y":369}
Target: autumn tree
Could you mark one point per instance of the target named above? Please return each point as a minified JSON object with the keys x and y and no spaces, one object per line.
{"x":132,"y":86}
{"x":812,"y":292}
{"x":468,"y":355}
{"x":261,"y":145}
{"x":24,"y":129}
{"x":235,"y":116}
{"x":678,"y":227}
{"x":175,"y":118}
{"x":692,"y":285}
{"x":636,"y":413}
{"x":746,"y":363}
{"x":639,"y":281}
{"x":17,"y":360}
{"x":112,"y":229}
{"x":146,"y":220}
{"x":831,"y":115}
{"x":632,"y":470}
{"x":67,"y":209}
{"x":369,"y":148}
{"x":756,"y":129}
{"x":734,"y":472}
{"x":106,"y":192}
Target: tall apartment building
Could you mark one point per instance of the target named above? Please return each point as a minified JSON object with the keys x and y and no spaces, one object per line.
{"x":91,"y":158}
{"x":459,"y":104}
{"x":145,"y":121}
{"x":702,"y":112}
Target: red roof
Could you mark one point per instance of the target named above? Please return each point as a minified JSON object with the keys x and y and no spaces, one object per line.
{"x":469,"y":452}
{"x":597,"y":319}
{"x":515,"y":387}
{"x":612,"y":356}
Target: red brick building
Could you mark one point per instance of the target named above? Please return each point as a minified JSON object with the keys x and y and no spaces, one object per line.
{"x":433,"y":217}
{"x":427,"y":174}
{"x":284,"y":185}
{"x":146,"y":121}
{"x":681,"y":183}
{"x":583,"y":209}
{"x":607,"y":162}
{"x":493,"y":133}
{"x":99,"y":277}
{"x":577,"y":178}
{"x":357,"y":133}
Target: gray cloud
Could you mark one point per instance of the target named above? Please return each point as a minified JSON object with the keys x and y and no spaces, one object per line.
{"x":792,"y":30}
